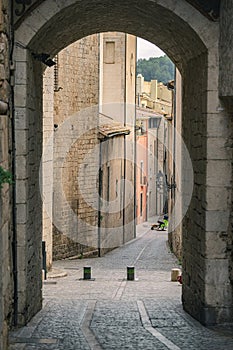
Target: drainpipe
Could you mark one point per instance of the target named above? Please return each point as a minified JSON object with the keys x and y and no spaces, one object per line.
{"x":174,"y":140}
{"x":124,"y":170}
{"x":14,"y":221}
{"x":99,"y":200}
{"x":173,"y":189}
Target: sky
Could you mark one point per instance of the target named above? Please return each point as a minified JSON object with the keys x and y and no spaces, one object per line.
{"x":146,"y":50}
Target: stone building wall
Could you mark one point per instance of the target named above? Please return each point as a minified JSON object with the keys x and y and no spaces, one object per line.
{"x":175,"y":228}
{"x":117,"y":101}
{"x":28,"y":139}
{"x":77,"y":78}
{"x":194,"y":222}
{"x":75,"y":215}
{"x":206,"y":224}
{"x":226,"y":93}
{"x":6,"y":267}
{"x":130,"y":144}
{"x":73,"y":109}
{"x":76,"y":91}
{"x":47,"y":164}
{"x":111,"y":192}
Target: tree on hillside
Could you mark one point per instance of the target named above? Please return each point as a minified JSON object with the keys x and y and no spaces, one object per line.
{"x":160,"y":68}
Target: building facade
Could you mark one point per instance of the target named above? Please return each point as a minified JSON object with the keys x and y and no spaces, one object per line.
{"x":90,"y":76}
{"x":174,"y":169}
{"x":154,"y":136}
{"x":71,"y":95}
{"x":142,"y":168}
{"x":111,"y":187}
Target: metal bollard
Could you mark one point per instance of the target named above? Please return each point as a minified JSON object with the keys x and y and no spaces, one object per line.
{"x":130,"y":273}
{"x":87,"y":273}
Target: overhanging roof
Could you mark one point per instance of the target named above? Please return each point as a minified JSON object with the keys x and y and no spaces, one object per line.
{"x":112,"y":130}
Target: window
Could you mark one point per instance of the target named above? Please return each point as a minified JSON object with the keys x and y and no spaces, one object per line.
{"x":109,"y":53}
{"x":132,"y":62}
{"x":153,"y":123}
{"x":141,"y":172}
{"x":116,"y":188}
{"x":156,"y":156}
{"x":108,"y":184}
{"x":141,"y":203}
{"x":101,"y":182}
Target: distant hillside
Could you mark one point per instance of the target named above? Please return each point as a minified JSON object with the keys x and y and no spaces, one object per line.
{"x":160,"y":68}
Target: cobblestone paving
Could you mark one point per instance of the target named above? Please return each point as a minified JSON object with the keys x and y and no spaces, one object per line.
{"x":107,"y":313}
{"x":117,"y":325}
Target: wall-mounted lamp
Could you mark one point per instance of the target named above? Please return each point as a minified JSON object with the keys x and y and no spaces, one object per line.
{"x":44,"y":58}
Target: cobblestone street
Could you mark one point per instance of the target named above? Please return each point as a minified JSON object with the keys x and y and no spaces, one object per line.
{"x":110,"y":312}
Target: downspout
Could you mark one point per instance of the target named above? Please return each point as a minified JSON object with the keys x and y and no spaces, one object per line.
{"x":174,"y":140}
{"x":100,"y":160}
{"x":165,"y":135}
{"x":14,"y":221}
{"x":99,"y":200}
{"x":124,"y":170}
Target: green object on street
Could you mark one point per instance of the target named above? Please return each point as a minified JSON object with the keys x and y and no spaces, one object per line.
{"x":87,"y":273}
{"x":130,"y":273}
{"x":165,"y":224}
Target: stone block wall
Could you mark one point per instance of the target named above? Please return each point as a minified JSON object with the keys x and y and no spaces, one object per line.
{"x":226,"y":93}
{"x":230,"y":234}
{"x":28,"y":137}
{"x":75,"y":224}
{"x":47,"y":164}
{"x":226,"y":49}
{"x":78,"y":82}
{"x":75,"y":213}
{"x":6,"y":263}
{"x":194,"y":128}
{"x":207,"y":291}
{"x":66,"y":247}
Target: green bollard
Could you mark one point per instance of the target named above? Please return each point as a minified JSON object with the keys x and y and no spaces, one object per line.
{"x":130,"y":273}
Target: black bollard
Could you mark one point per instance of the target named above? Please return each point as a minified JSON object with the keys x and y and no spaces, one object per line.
{"x":87,"y":273}
{"x":130,"y":273}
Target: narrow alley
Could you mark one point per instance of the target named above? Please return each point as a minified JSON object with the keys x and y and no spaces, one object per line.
{"x":109,"y":312}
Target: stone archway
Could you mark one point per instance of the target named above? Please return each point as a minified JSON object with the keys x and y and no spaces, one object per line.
{"x":191,"y":41}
